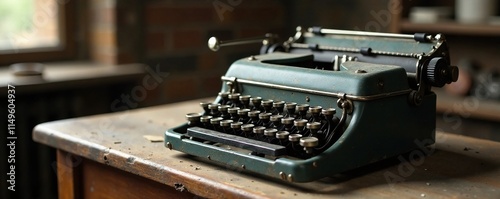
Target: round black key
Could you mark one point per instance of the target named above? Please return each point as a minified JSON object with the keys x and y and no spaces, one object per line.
{"x":224,"y":94}
{"x":303,"y":107}
{"x":270,"y":132}
{"x":308,"y":142}
{"x":245,"y":98}
{"x":290,"y":105}
{"x":216,"y":120}
{"x":329,"y":111}
{"x":193,"y":117}
{"x":243,"y":112}
{"x":213,"y":106}
{"x":226,"y":123}
{"x":233,"y":110}
{"x":265,"y":116}
{"x":205,"y":119}
{"x":313,"y":125}
{"x":275,"y":118}
{"x":300,"y":122}
{"x":315,"y":109}
{"x":282,"y":134}
{"x":294,"y":137}
{"x":279,"y":104}
{"x":259,"y":130}
{"x":234,"y":96}
{"x":247,"y":127}
{"x":223,"y":108}
{"x":236,"y":125}
{"x":287,"y":120}
{"x":253,"y":114}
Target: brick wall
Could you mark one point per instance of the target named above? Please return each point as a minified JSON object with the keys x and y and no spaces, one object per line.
{"x":176,"y":34}
{"x":172,"y":34}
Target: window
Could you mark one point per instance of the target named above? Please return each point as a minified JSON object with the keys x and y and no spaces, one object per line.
{"x":35,"y":30}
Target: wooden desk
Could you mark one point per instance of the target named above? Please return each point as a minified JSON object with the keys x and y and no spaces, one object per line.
{"x":106,"y":156}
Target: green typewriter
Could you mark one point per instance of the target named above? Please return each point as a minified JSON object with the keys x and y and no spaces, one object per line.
{"x":323,"y":102}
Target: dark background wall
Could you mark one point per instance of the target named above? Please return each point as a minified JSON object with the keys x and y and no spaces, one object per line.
{"x":172,"y":34}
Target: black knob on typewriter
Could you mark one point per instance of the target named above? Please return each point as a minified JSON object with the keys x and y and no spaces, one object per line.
{"x":294,"y":137}
{"x":282,"y":135}
{"x":256,"y":101}
{"x":204,"y":105}
{"x":193,"y":118}
{"x":329,"y":113}
{"x":206,"y":120}
{"x":271,"y":132}
{"x":247,"y":128}
{"x":233,"y":112}
{"x":313,"y":127}
{"x":276,"y":120}
{"x":226,"y":123}
{"x":279,"y":106}
{"x":245,"y":100}
{"x":309,"y":143}
{"x":235,"y":99}
{"x":223,"y":110}
{"x":214,"y":109}
{"x":439,"y":72}
{"x":224,"y":96}
{"x":259,"y":130}
{"x":290,"y":108}
{"x":268,"y":105}
{"x":300,"y":124}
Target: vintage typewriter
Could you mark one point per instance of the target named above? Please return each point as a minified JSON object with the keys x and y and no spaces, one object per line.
{"x":320,"y":103}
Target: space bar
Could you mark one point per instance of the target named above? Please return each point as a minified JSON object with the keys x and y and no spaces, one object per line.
{"x":237,"y":141}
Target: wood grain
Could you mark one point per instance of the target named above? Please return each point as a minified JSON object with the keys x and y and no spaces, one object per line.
{"x":457,"y":166}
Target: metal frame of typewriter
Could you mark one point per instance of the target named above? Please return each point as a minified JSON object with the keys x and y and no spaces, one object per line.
{"x":381,"y":82}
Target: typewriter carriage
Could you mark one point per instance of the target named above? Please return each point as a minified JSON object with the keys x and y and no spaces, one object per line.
{"x":365,"y":88}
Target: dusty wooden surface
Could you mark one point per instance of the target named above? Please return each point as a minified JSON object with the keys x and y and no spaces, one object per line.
{"x":459,"y":166}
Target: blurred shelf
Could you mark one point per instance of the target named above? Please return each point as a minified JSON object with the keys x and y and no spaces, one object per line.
{"x":468,"y":107}
{"x":451,"y":27}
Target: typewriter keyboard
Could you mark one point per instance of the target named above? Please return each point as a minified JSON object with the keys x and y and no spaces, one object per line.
{"x":265,"y":127}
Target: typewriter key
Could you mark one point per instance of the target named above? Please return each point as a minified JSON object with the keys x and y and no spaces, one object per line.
{"x":290,"y":108}
{"x":268,"y":105}
{"x":236,"y":125}
{"x":329,"y":112}
{"x":271,"y":132}
{"x":193,"y":118}
{"x":254,"y":116}
{"x":256,"y":102}
{"x":259,"y":130}
{"x":223,"y":111}
{"x":206,"y":120}
{"x":300,"y":124}
{"x":315,"y":111}
{"x":204,"y":105}
{"x":264,"y":118}
{"x":225,"y":97}
{"x":247,"y":128}
{"x":279,"y":105}
{"x":288,"y":122}
{"x":245,"y":100}
{"x":276,"y":120}
{"x":226,"y":123}
{"x":313,"y":127}
{"x":233,"y":112}
{"x":282,"y":135}
{"x":216,"y":120}
{"x":235,"y":99}
{"x":303,"y":108}
{"x":294,"y":137}
{"x":243,"y":114}
{"x":213,"y":109}
{"x":308,"y":143}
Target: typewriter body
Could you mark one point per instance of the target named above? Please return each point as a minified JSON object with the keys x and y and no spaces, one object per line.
{"x":320,"y":103}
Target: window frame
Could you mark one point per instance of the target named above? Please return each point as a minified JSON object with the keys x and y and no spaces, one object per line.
{"x":67,"y":49}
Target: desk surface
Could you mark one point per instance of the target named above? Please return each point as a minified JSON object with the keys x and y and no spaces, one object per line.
{"x":459,"y":166}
